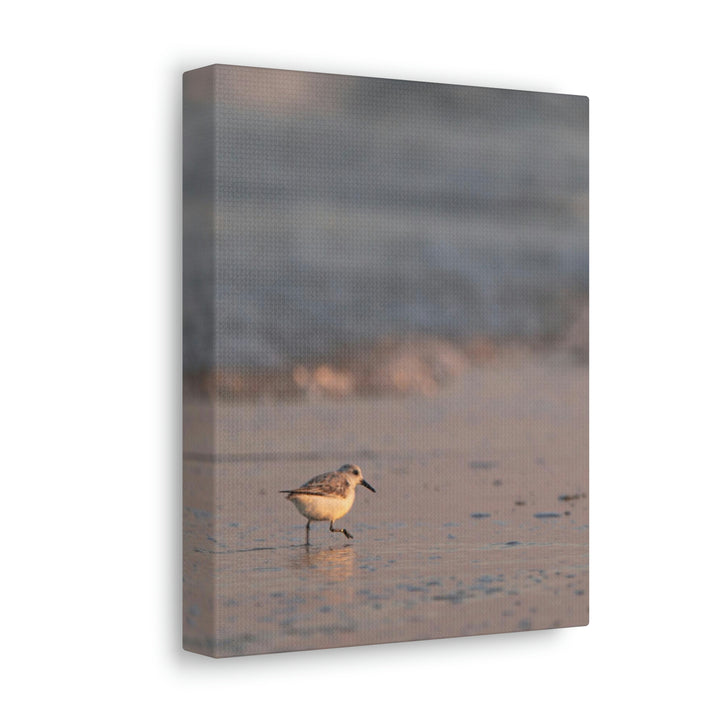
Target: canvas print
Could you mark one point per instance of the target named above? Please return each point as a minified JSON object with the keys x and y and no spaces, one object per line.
{"x":385,"y":361}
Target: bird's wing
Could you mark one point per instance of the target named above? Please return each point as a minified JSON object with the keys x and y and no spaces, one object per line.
{"x":329,"y":483}
{"x":322,"y":480}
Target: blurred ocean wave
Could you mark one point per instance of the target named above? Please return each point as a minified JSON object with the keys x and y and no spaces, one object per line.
{"x":346,"y":210}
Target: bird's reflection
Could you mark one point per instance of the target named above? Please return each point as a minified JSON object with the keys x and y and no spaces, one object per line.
{"x":332,"y":563}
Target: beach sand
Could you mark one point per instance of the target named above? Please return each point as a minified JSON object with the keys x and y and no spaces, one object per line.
{"x":479,"y":524}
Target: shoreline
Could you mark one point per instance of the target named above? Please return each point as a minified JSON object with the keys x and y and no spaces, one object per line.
{"x":414,"y":364}
{"x":480,"y":523}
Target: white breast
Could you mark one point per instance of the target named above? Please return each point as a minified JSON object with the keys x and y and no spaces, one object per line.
{"x":323,"y":507}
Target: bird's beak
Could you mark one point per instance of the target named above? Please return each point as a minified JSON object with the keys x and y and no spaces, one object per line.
{"x":367,"y":485}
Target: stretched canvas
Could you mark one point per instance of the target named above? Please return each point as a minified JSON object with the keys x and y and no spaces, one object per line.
{"x":385,"y":361}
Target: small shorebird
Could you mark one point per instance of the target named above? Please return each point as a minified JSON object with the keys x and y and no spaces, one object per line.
{"x":328,"y":496}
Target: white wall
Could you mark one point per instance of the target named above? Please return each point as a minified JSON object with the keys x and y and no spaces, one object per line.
{"x":90,"y":305}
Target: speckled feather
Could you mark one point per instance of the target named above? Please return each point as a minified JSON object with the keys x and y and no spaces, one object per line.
{"x":327,"y":484}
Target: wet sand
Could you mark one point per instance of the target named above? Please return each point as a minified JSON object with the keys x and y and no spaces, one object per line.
{"x":479,"y":524}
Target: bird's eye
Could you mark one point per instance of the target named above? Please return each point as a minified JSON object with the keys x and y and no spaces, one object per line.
{"x":355,"y":472}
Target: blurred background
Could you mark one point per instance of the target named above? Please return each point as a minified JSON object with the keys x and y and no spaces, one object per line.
{"x":364,"y":223}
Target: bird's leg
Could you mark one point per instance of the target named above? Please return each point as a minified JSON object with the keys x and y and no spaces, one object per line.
{"x":307,"y":533}
{"x":333,"y":529}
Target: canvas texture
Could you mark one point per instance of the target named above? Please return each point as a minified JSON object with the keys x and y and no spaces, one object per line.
{"x":385,"y":361}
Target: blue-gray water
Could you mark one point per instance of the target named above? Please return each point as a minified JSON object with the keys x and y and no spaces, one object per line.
{"x":345,"y":209}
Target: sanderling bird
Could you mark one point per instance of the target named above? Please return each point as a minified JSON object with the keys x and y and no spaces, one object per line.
{"x":328,"y":497}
